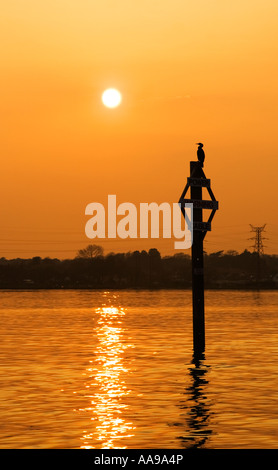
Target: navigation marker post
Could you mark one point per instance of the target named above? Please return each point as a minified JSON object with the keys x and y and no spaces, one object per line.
{"x":196,"y":182}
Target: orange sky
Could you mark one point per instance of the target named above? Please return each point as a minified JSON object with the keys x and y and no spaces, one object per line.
{"x":188,"y":72}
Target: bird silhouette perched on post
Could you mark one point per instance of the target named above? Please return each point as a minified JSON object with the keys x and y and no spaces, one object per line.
{"x":200,"y":153}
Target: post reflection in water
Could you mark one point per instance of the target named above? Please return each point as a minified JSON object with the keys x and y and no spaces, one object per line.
{"x":197,"y":408}
{"x":107,"y":382}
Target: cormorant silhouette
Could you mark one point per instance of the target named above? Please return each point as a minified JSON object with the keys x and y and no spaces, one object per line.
{"x":201,"y":153}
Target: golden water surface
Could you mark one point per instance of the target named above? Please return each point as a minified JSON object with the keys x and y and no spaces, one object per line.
{"x":114,"y":369}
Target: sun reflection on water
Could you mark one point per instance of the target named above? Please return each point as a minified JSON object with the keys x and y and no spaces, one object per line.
{"x":106,"y":380}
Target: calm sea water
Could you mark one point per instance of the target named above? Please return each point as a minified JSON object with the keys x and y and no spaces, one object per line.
{"x":114,"y":369}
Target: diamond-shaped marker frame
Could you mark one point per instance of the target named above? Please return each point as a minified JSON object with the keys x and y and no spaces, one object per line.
{"x":200,"y":204}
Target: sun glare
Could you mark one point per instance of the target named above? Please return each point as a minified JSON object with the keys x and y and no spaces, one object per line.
{"x":111,"y":98}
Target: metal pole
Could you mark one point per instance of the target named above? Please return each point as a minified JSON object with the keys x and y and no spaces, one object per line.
{"x":196,"y":183}
{"x":197,"y":268}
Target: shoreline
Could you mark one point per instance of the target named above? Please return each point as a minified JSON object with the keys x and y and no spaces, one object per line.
{"x":88,"y":288}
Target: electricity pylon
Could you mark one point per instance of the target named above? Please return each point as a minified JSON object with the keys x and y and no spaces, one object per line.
{"x":258,"y":239}
{"x":258,"y":247}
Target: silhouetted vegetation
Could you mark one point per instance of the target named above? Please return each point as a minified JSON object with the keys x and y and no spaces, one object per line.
{"x":91,"y":251}
{"x":138,"y":269}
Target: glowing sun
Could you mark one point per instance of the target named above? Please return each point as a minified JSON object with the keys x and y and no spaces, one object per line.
{"x":111,"y":98}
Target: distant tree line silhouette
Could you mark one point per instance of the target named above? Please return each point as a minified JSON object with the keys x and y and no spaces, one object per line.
{"x":90,"y":269}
